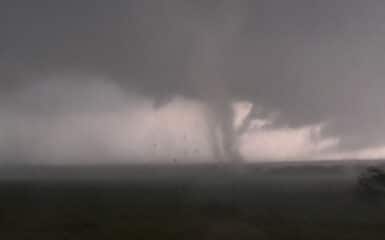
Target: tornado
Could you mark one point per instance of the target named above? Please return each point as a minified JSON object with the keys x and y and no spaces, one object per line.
{"x":213,"y":43}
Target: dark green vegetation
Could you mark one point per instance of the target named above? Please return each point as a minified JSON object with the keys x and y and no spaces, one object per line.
{"x":205,"y":202}
{"x":371,"y":185}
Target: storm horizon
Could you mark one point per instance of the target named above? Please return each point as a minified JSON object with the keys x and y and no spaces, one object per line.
{"x":191,"y":81}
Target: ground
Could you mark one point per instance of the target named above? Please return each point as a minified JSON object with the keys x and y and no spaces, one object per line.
{"x":184,"y":204}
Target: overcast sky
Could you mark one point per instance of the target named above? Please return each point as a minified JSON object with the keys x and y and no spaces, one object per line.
{"x":135,"y":80}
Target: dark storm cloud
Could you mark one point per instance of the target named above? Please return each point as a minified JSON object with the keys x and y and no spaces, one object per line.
{"x":311,"y":61}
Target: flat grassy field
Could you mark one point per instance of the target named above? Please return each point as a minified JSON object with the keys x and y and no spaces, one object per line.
{"x":185,"y":203}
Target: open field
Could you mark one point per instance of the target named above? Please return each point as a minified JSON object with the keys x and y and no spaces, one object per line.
{"x":185,"y":202}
